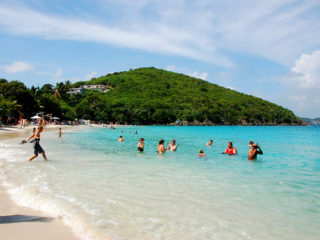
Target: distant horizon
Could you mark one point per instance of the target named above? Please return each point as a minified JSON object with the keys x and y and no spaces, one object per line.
{"x":268,"y":49}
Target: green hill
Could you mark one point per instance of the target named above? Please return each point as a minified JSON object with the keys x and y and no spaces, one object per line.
{"x":154,"y":96}
{"x":143,"y":96}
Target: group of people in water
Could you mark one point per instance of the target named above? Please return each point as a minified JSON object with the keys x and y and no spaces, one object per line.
{"x":161,"y":149}
{"x":231,"y":150}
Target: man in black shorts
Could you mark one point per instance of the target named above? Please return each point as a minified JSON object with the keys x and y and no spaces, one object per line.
{"x":36,"y":144}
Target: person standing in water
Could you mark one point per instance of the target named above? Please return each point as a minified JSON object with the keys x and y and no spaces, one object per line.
{"x":161,"y":149}
{"x":201,"y":154}
{"x":210,"y":142}
{"x":230,"y":150}
{"x":141,"y":145}
{"x":60,"y":133}
{"x":172,"y":145}
{"x":254,"y":151}
{"x":121,"y":139}
{"x":36,"y":144}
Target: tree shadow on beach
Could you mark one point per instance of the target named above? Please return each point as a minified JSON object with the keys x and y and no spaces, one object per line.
{"x":23,"y":218}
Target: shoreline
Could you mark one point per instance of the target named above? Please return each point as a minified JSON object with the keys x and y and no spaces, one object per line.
{"x":47,"y":228}
{"x":44,"y":228}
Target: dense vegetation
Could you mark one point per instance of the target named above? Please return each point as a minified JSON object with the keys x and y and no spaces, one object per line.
{"x":144,"y":96}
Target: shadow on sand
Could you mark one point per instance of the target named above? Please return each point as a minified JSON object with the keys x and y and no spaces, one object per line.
{"x":23,"y":218}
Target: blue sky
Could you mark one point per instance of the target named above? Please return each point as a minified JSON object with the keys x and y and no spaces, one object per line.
{"x":270,"y":49}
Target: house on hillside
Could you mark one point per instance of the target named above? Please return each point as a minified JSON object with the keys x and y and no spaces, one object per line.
{"x":76,"y":91}
{"x":83,"y":88}
{"x":100,"y":88}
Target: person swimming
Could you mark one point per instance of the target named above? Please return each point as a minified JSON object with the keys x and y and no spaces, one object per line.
{"x":36,"y":145}
{"x":254,"y":151}
{"x":161,"y":149}
{"x":141,"y":145}
{"x":201,"y":154}
{"x":209,"y":143}
{"x":172,"y":146}
{"x":230,"y":150}
{"x":121,"y":139}
{"x":60,"y":133}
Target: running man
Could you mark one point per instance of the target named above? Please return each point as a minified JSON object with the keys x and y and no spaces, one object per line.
{"x":36,"y":144}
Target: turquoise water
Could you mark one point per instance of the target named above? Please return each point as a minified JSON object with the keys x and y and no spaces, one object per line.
{"x":104,"y":189}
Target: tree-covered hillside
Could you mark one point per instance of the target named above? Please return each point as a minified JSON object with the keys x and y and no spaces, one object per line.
{"x":153,"y":96}
{"x":146,"y":96}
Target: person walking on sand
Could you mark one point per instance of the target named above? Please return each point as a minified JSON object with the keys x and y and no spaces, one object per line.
{"x":141,"y":145}
{"x":161,"y":149}
{"x":36,"y":144}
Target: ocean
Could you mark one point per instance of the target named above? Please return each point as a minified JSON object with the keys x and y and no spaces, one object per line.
{"x":105,"y":189}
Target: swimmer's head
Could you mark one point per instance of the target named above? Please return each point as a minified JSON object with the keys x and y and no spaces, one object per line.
{"x":251,"y":142}
{"x":161,"y":142}
{"x":230,"y":144}
{"x":200,"y":151}
{"x":141,"y":139}
{"x":211,"y":140}
{"x":120,"y":136}
{"x":40,"y":128}
{"x":173,"y":141}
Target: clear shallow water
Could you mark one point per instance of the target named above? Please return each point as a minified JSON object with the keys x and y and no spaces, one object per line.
{"x":105,"y":189}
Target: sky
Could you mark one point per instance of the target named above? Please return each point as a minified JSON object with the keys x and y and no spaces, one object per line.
{"x":267,"y":48}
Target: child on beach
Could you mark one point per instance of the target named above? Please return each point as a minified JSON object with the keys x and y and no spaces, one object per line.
{"x":36,"y":145}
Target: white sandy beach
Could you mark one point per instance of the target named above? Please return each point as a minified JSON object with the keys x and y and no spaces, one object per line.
{"x":52,"y":229}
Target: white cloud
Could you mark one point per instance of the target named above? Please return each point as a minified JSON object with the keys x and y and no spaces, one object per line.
{"x":306,"y":71}
{"x":58,"y":73}
{"x":203,"y":76}
{"x":201,"y":30}
{"x":16,"y":67}
{"x":90,"y":75}
{"x":171,"y":67}
{"x":139,"y":35}
{"x":302,"y":84}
